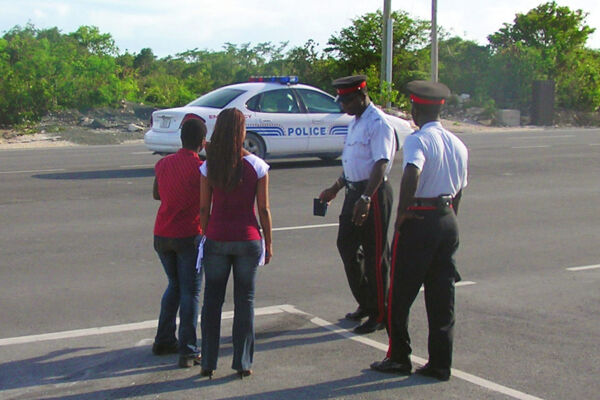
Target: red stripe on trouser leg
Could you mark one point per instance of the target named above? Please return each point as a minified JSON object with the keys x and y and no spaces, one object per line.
{"x":390,"y":292}
{"x":378,"y":257}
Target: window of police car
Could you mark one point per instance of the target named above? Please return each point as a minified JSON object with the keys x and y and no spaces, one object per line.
{"x":274,"y":101}
{"x":217,"y":99}
{"x":316,"y":102}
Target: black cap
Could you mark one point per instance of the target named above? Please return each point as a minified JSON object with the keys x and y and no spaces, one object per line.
{"x":349,"y":84}
{"x":427,"y":92}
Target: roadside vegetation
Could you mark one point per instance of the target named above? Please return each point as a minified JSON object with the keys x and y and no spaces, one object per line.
{"x":44,"y":70}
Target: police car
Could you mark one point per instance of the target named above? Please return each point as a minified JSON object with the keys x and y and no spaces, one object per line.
{"x":283,"y":118}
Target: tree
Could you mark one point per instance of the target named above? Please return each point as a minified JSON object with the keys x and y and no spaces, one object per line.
{"x":357,"y":48}
{"x":359,"y":45}
{"x":556,"y":31}
{"x":95,"y":42}
{"x":558,"y":35}
{"x":463,"y":65}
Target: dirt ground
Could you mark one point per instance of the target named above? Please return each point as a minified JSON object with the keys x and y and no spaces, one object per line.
{"x":129,"y":122}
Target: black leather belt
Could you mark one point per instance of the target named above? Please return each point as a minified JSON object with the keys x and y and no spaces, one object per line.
{"x":432,"y":202}
{"x":358,"y":186}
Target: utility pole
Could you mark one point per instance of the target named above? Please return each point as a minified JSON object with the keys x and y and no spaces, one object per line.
{"x":387,"y":42}
{"x":434,"y":42}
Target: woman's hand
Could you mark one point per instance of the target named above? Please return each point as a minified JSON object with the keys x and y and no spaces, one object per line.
{"x":268,"y":252}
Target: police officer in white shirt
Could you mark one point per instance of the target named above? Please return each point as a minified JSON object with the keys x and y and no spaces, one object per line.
{"x":426,"y":235}
{"x":362,"y":236}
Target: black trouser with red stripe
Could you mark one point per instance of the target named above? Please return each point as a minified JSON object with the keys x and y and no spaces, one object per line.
{"x":423,"y":254}
{"x":365,"y":250}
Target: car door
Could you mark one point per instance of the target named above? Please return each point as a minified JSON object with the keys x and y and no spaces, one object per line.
{"x":329,"y":124}
{"x":279,"y":121}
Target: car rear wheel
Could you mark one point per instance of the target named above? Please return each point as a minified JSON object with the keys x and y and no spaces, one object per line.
{"x":254,"y":144}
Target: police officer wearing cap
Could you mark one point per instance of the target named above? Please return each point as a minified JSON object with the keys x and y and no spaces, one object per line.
{"x":362,"y":236}
{"x":426,"y":235}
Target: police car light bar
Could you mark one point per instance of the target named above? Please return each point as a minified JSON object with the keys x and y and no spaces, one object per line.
{"x":281,"y":79}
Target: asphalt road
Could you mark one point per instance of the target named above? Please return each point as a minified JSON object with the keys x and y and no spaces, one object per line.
{"x":80,"y":284}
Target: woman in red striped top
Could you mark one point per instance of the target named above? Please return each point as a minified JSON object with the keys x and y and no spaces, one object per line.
{"x":232,"y":181}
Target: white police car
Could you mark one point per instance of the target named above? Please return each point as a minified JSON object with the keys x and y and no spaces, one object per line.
{"x":283,"y":117}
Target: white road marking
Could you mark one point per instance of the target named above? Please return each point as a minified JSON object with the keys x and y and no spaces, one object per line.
{"x":543,"y":137}
{"x":112,"y":329}
{"x":290,"y":228}
{"x":137,"y":166}
{"x":541,"y":146}
{"x":330,"y":326}
{"x":584,"y":268}
{"x":476,"y":380}
{"x":461,"y":283}
{"x":141,"y":152}
{"x":32,"y":171}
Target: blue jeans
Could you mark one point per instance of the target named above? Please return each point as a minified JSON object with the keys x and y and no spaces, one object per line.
{"x":178,"y":257}
{"x":219,"y":259}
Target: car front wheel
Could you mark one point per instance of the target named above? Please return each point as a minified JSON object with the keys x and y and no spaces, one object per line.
{"x":254,"y":144}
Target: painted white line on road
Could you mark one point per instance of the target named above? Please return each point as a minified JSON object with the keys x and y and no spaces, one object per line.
{"x":291,"y":228}
{"x":461,"y":283}
{"x":114,"y":329}
{"x":541,"y":146}
{"x":476,"y":380}
{"x":137,"y":166}
{"x":543,"y":137}
{"x":140,"y":152}
{"x":33,"y":171}
{"x":584,"y":268}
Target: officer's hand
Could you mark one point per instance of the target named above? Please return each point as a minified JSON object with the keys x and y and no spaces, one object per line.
{"x":327,"y":195}
{"x":360,"y":212}
{"x":403,"y":217}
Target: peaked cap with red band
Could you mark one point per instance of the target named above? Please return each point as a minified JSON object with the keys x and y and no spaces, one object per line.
{"x":428,"y":93}
{"x":349,"y":84}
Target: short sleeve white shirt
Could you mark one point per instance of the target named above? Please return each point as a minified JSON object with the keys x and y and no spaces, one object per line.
{"x":440,"y":156}
{"x":259,"y":165}
{"x":370,"y":139}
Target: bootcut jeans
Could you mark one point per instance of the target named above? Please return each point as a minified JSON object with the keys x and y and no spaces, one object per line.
{"x":220,"y":258}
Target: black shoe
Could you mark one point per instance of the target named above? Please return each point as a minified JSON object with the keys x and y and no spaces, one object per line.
{"x":159,"y":349}
{"x":441,"y":374}
{"x":387,"y":365}
{"x":370,"y":325}
{"x":189,"y":361}
{"x":357,"y":315}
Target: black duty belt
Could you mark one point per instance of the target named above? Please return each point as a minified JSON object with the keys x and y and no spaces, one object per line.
{"x":358,"y":186}
{"x":431,"y":203}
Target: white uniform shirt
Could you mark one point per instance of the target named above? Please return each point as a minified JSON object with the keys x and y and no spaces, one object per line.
{"x":440,"y":156}
{"x":370,"y":139}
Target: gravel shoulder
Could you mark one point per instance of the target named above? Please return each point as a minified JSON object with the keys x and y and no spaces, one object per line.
{"x":121,"y":129}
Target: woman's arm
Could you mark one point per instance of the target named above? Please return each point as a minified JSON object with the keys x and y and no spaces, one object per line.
{"x":264,"y":214}
{"x":205,"y":199}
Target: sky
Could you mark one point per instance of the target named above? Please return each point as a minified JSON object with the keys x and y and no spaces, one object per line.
{"x":169,"y":27}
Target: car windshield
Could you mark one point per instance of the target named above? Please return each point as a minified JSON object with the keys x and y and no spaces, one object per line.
{"x":217,"y":98}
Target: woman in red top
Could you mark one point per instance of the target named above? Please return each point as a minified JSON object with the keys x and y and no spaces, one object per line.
{"x":232,"y":181}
